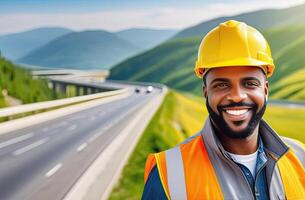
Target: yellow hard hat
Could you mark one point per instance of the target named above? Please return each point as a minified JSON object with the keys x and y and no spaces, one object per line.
{"x":233,"y":43}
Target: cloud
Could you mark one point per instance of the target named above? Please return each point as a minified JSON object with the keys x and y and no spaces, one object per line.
{"x":158,"y":17}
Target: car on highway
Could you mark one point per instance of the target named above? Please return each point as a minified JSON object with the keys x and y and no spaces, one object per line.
{"x":137,"y":90}
{"x":149,"y":89}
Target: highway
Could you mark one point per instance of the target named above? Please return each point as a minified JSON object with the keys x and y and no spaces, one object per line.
{"x":44,"y":161}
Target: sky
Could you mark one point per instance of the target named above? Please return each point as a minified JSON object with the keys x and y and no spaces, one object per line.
{"x":114,"y":15}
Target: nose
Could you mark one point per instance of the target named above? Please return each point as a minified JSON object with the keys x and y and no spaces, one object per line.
{"x":236,"y":94}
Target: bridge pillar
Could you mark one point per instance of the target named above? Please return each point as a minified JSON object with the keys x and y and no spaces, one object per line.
{"x":54,"y":88}
{"x":78,"y":88}
{"x":94,"y":90}
{"x":62,"y":87}
{"x":86,"y":90}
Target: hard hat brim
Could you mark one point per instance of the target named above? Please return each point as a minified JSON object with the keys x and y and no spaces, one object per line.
{"x":265,"y":66}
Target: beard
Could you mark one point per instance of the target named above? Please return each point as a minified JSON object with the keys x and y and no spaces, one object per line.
{"x":222,"y":127}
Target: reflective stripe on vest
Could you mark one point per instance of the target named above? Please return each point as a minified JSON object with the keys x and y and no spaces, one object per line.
{"x":293,"y":176}
{"x":200,"y":180}
{"x":292,"y":170}
{"x":298,"y":147}
{"x":193,"y":178}
{"x":175,"y":174}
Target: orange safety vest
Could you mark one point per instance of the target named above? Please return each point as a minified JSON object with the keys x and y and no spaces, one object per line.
{"x":195,"y":170}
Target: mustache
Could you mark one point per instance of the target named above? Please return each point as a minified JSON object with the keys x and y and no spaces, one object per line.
{"x":233,"y":104}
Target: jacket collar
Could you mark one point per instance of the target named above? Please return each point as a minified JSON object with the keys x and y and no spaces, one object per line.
{"x":273,"y":144}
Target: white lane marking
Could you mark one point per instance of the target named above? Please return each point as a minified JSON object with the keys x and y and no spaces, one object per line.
{"x":45,"y":129}
{"x":53,"y":170}
{"x":109,"y":125}
{"x":30,"y":147}
{"x":71,"y":128}
{"x":17,"y":139}
{"x":93,"y":137}
{"x":81,"y":147}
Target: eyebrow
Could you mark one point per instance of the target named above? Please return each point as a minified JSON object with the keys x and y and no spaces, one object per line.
{"x":220,"y":80}
{"x":251,"y":78}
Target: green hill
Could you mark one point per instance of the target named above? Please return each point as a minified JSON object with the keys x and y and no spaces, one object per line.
{"x":291,"y":87}
{"x":287,"y":44}
{"x":82,"y":50}
{"x":172,"y":62}
{"x":20,"y":84}
{"x":16,"y":45}
{"x":262,"y":19}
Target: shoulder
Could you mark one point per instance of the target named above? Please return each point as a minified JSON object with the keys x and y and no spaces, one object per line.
{"x":155,"y":174}
{"x":159,"y":159}
{"x":297,"y":147}
{"x":294,"y":144}
{"x":153,"y":188}
{"x":150,"y":164}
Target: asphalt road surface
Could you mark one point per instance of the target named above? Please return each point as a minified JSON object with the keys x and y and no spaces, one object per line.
{"x":45,"y":160}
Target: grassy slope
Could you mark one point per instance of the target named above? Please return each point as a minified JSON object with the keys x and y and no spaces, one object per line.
{"x":20,"y":84}
{"x":291,"y":87}
{"x":283,"y":119}
{"x":287,"y":44}
{"x":181,"y":116}
{"x":172,"y":62}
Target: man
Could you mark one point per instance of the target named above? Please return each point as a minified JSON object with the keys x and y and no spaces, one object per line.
{"x":237,"y":155}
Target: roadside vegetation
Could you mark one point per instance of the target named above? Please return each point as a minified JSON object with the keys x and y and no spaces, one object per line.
{"x":2,"y":102}
{"x":18,"y":83}
{"x":180,"y":116}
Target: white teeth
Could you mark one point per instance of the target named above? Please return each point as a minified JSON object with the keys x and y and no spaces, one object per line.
{"x":237,"y":112}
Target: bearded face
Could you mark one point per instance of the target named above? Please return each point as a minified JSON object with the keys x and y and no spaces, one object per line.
{"x":236,"y":101}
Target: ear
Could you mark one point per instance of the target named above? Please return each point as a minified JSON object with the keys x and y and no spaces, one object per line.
{"x":266,"y":89}
{"x":204,"y":90}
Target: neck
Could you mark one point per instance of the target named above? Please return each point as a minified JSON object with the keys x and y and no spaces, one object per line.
{"x":240,"y":146}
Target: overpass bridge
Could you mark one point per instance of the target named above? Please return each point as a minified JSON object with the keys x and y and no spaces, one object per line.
{"x":61,"y":80}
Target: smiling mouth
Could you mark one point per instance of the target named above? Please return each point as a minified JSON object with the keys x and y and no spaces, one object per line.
{"x":236,"y":112}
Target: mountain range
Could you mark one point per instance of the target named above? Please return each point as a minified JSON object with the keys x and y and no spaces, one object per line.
{"x":81,"y":50}
{"x":16,"y":45}
{"x":90,"y":49}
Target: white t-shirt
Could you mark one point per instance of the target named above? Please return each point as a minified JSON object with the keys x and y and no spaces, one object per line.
{"x":247,"y":160}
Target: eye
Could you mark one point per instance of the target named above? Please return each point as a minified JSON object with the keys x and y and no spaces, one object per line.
{"x":221,"y":85}
{"x":251,"y":84}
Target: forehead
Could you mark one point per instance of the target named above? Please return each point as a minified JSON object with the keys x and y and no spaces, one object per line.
{"x":234,"y":73}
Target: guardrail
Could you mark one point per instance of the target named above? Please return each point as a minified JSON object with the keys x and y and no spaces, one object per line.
{"x":16,"y":110}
